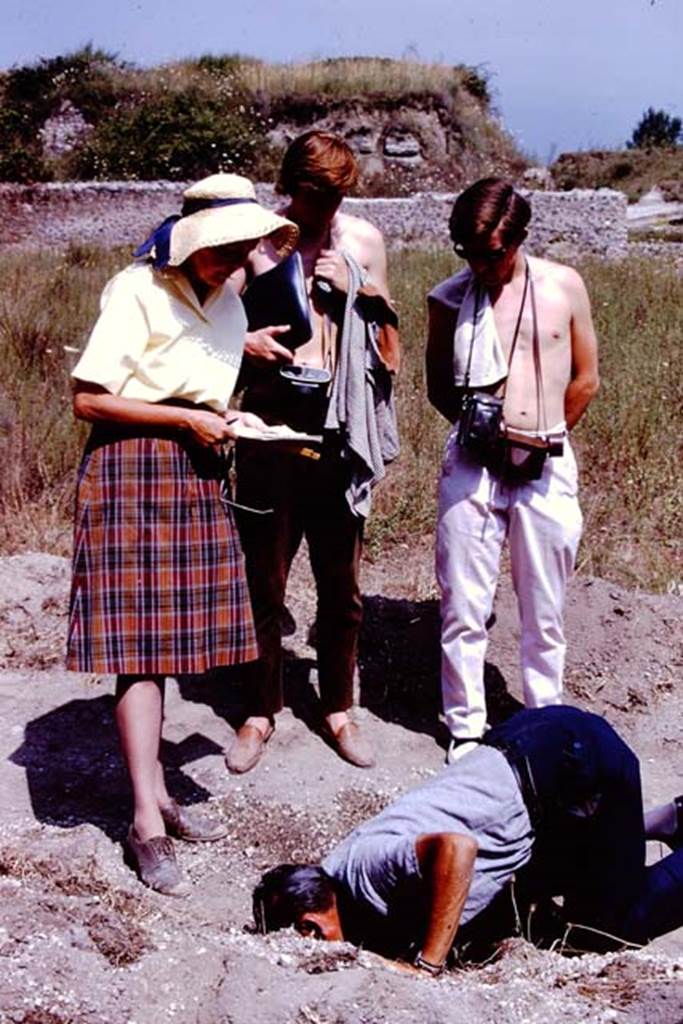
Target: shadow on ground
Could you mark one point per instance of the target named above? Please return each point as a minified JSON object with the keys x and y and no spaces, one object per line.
{"x":73,"y":765}
{"x":400,"y":667}
{"x":398,"y":673}
{"x":75,"y":773}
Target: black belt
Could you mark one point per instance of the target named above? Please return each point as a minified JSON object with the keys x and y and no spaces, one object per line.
{"x":521,"y":769}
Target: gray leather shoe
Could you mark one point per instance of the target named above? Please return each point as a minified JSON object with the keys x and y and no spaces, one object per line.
{"x":156,"y":864}
{"x":191,"y":825}
{"x":351,"y":744}
{"x":245,"y":750}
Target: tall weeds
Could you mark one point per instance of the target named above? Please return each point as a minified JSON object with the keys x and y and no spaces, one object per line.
{"x":629,"y":443}
{"x":344,"y":77}
{"x":47,"y":303}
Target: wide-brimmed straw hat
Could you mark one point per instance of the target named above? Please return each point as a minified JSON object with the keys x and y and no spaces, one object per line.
{"x":217,"y":210}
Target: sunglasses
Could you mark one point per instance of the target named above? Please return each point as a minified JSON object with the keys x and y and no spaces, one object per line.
{"x":492,"y":256}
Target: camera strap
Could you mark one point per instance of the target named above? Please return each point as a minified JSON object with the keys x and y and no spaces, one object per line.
{"x":542,"y":419}
{"x":477,"y":294}
{"x":515,"y":336}
{"x":540,"y":394}
{"x":477,"y":303}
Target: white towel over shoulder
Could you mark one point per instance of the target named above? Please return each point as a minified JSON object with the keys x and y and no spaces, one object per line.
{"x":489,"y":364}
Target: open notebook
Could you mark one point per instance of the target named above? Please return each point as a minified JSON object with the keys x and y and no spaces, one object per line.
{"x":277,"y":432}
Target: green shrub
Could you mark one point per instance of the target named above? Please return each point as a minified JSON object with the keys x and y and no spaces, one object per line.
{"x":214,"y":112}
{"x":177,"y":122}
{"x":476,"y":81}
{"x":632,"y":171}
{"x":655,"y":129}
{"x":219,"y":65}
{"x":175,"y":134}
{"x":87,"y":78}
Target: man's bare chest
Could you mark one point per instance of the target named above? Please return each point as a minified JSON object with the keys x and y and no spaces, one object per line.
{"x":515,"y":322}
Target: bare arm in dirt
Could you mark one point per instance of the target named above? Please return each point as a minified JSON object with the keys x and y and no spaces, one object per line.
{"x":585,"y":380}
{"x":446,"y":862}
{"x":441,"y":391}
{"x":94,"y":403}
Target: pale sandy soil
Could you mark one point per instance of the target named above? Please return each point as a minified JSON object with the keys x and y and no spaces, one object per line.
{"x":82,"y":941}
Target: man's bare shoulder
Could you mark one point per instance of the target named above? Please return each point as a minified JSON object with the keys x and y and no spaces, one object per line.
{"x":559,"y":274}
{"x":358,"y":233}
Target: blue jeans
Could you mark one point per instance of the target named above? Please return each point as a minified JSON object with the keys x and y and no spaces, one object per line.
{"x":588,"y":816}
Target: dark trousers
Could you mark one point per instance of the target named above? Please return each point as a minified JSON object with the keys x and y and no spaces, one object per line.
{"x":582,"y":786}
{"x":307,"y":498}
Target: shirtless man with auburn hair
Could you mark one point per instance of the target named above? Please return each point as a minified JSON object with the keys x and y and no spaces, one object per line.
{"x":310,"y":488}
{"x":317,"y":171}
{"x":523,"y":485}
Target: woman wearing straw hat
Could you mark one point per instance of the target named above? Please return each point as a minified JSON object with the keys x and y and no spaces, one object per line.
{"x":158,"y":579}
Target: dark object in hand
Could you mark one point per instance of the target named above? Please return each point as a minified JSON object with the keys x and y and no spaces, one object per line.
{"x":279,"y":297}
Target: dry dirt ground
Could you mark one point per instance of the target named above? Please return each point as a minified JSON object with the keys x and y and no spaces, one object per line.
{"x":81,"y":940}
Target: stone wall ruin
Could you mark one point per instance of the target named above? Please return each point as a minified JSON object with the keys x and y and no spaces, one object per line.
{"x":564,"y":224}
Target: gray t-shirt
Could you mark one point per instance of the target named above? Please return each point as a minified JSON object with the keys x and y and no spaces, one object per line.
{"x":478,"y":796}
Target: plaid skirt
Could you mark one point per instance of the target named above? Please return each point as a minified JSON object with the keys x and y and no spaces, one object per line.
{"x":158,"y":582}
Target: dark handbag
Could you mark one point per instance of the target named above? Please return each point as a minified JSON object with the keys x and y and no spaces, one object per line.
{"x":279,"y":297}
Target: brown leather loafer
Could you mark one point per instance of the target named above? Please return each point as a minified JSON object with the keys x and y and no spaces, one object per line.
{"x":191,"y":825}
{"x":245,"y":750}
{"x":351,"y":744}
{"x":156,"y":864}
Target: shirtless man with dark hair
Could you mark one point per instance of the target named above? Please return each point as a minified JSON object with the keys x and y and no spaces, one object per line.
{"x":519,"y":328}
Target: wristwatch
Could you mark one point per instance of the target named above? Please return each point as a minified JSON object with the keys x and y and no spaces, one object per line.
{"x":425,"y":965}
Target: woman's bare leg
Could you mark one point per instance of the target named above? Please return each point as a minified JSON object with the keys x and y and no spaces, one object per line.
{"x":139,"y":716}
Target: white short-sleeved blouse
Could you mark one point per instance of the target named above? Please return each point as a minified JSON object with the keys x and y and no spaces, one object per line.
{"x":154,"y":341}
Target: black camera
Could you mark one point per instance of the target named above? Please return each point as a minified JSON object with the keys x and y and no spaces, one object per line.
{"x":479,"y":427}
{"x":306,"y":379}
{"x":303,"y":397}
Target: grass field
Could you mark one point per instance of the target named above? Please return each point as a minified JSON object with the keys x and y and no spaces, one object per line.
{"x":629,"y":444}
{"x":346,"y":77}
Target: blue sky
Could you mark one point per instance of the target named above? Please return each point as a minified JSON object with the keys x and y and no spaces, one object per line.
{"x":574,"y":74}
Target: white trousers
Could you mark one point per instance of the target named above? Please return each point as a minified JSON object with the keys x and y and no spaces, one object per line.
{"x":542,"y":522}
